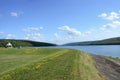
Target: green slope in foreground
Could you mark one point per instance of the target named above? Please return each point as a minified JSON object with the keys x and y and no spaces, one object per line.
{"x":47,"y":64}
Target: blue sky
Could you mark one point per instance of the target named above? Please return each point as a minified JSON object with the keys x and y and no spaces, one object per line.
{"x":59,"y":21}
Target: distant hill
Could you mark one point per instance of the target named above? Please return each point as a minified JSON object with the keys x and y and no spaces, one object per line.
{"x":24,"y":43}
{"x":110,"y":41}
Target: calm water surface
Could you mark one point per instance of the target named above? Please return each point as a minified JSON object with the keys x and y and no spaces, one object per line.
{"x":108,"y":50}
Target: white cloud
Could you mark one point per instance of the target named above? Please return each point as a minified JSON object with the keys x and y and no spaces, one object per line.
{"x":60,"y":39}
{"x":15,"y":14}
{"x":72,"y":34}
{"x":110,"y":16}
{"x":103,"y":15}
{"x":34,"y":36}
{"x":10,"y":36}
{"x":29,"y":29}
{"x":87,"y":32}
{"x":1,"y":33}
{"x":70,"y":31}
{"x":56,"y":36}
{"x":114,"y":24}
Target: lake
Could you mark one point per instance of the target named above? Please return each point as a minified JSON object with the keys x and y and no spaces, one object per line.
{"x":107,"y":50}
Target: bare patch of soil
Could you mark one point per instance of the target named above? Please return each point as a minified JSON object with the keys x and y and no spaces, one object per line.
{"x":108,"y":67}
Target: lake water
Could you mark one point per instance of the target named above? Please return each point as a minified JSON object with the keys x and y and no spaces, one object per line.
{"x":107,"y":50}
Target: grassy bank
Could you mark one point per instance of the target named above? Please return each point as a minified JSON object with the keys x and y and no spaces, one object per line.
{"x":114,"y":58}
{"x":47,"y":64}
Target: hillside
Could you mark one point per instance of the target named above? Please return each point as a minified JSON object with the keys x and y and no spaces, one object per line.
{"x":23,"y":43}
{"x":110,"y":41}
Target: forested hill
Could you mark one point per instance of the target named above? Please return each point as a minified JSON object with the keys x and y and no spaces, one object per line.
{"x":23,"y":43}
{"x":110,"y":41}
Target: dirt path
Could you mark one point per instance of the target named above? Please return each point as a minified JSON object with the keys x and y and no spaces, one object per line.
{"x":109,"y":68}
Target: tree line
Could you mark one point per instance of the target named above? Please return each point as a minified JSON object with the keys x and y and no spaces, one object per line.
{"x":23,"y":43}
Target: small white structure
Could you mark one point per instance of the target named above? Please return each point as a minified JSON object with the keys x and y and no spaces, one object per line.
{"x":9,"y":45}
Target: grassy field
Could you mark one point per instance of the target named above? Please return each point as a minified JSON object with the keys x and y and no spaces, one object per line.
{"x":47,"y":64}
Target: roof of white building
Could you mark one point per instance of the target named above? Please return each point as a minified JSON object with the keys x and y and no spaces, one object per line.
{"x":9,"y":44}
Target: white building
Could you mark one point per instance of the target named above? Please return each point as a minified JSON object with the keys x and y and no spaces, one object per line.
{"x":9,"y":45}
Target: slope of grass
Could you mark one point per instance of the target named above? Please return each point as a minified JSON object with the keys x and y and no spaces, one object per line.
{"x":47,"y":64}
{"x":114,"y":58}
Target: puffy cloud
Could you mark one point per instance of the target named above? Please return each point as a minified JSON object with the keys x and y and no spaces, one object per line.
{"x":70,"y":31}
{"x":114,"y":24}
{"x":29,"y":29}
{"x":33,"y":36}
{"x":15,"y":14}
{"x":103,"y":15}
{"x":10,"y":36}
{"x":110,"y":16}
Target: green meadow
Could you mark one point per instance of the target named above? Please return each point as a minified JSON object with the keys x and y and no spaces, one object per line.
{"x":47,"y":64}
